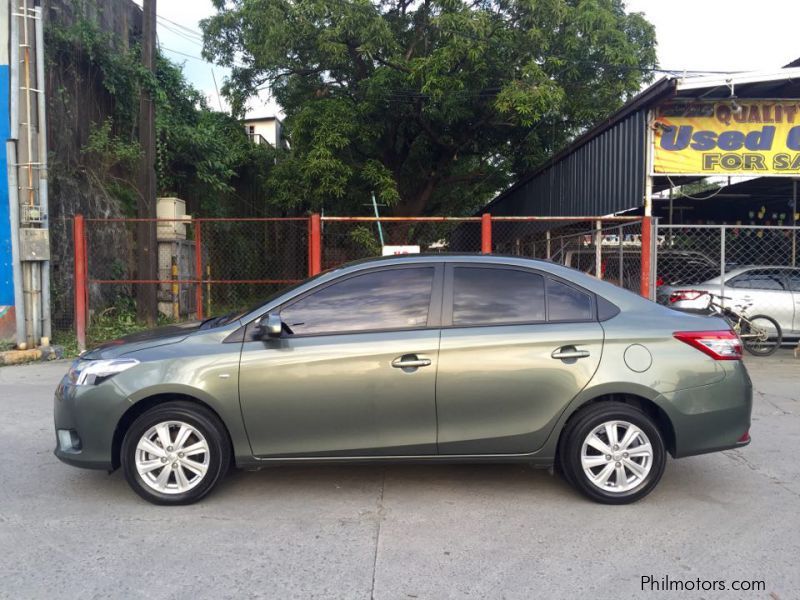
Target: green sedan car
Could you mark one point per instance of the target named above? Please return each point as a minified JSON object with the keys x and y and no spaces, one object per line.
{"x":455,"y":358}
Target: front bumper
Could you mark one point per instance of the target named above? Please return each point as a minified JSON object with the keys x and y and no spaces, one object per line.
{"x":89,"y":414}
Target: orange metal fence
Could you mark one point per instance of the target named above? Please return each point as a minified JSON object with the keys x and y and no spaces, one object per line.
{"x":213,"y":264}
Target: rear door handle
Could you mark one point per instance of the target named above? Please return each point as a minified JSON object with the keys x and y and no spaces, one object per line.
{"x":567,"y":352}
{"x":410,"y":361}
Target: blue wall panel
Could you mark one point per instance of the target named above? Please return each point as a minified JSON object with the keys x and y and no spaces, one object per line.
{"x":6,"y":272}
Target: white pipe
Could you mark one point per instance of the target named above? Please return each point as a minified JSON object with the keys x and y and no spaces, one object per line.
{"x":13,"y":210}
{"x":27,"y":301}
{"x":28,"y":119}
{"x":36,"y":302}
{"x":13,"y":65}
{"x":44,"y":204}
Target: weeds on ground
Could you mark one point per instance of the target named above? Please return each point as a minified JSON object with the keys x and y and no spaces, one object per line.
{"x":113,"y":322}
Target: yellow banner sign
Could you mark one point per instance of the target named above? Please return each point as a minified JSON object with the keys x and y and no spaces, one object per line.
{"x":731,"y":137}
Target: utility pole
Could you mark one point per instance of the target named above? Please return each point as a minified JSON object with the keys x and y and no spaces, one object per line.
{"x":147,"y":246}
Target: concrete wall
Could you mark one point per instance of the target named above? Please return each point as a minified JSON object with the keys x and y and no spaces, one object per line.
{"x":76,"y":99}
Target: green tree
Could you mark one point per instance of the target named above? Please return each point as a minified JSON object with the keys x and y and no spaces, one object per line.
{"x":203,"y":155}
{"x":434,"y":104}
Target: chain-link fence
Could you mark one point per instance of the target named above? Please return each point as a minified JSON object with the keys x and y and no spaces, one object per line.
{"x":211,"y":266}
{"x":205,"y":266}
{"x":609,"y":248}
{"x":752,"y":269}
{"x":351,"y":238}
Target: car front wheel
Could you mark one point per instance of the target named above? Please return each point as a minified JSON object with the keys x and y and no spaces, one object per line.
{"x":614,"y":453}
{"x":175,"y":453}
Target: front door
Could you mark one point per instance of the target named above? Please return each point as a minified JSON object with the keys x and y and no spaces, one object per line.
{"x":793,"y":281}
{"x":356,"y":377}
{"x":517,"y":346}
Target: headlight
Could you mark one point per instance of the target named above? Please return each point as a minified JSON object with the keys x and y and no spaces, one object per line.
{"x":93,"y":372}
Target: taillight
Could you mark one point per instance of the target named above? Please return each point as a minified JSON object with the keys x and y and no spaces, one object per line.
{"x":719,"y":345}
{"x":686,"y":295}
{"x":745,"y":437}
{"x":659,"y":281}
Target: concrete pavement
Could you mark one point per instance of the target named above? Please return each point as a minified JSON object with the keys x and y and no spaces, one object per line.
{"x":395,"y":532}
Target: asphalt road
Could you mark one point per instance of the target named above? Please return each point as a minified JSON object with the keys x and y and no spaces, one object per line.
{"x":401,"y":532}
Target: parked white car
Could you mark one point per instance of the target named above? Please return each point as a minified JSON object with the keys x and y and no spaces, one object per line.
{"x":771,"y":291}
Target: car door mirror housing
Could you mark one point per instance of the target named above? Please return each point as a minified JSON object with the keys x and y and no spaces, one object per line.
{"x":270,"y":326}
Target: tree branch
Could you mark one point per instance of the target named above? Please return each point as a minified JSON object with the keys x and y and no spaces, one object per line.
{"x":393,"y":65}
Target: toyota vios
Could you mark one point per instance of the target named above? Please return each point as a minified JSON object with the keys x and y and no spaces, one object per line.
{"x":424,"y":358}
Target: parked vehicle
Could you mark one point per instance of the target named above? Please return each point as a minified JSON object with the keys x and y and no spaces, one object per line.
{"x":761,"y":335}
{"x":674,"y":266}
{"x":770,"y":291}
{"x":425,"y":358}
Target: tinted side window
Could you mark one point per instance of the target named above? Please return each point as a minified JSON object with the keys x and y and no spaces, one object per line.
{"x":565,"y":303}
{"x":388,"y":299}
{"x":496,"y":296}
{"x":758,"y":280}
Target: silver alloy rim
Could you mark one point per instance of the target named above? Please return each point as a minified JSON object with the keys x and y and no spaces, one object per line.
{"x":616,"y":456}
{"x":172,"y":457}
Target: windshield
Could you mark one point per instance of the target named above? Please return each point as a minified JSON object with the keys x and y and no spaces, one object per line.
{"x":220,"y":320}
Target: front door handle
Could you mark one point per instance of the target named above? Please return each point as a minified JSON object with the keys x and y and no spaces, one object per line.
{"x":567,"y":352}
{"x":410,"y":361}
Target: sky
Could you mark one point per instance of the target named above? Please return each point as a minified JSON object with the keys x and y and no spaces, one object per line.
{"x":713,"y":35}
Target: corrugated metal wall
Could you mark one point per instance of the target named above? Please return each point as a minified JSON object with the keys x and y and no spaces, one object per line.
{"x":605,"y":175}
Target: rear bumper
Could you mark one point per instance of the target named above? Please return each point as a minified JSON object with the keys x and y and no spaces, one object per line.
{"x":714,"y":417}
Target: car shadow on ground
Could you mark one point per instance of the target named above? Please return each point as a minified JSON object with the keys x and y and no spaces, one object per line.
{"x":284,"y":485}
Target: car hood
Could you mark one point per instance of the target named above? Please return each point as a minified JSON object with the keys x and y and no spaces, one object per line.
{"x":160,"y":336}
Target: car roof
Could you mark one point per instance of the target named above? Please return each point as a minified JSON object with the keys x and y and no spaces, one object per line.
{"x":604,"y":288}
{"x":744,"y":268}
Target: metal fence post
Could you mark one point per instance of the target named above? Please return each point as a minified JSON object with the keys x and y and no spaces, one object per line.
{"x":79,"y":242}
{"x":653,"y":259}
{"x":722,"y":262}
{"x":315,"y":246}
{"x":176,"y":310}
{"x":621,"y":265}
{"x":646,"y":241}
{"x":198,"y":269}
{"x":486,"y":233}
{"x":598,"y":249}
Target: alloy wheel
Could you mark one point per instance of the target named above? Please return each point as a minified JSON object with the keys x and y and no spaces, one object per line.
{"x":616,"y":456}
{"x":172,"y":457}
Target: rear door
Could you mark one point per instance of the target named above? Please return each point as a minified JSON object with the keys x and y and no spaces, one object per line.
{"x":516,"y":347}
{"x":765,"y":291}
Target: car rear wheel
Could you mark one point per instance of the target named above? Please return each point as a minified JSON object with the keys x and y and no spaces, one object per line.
{"x":613,"y":453}
{"x":175,"y":453}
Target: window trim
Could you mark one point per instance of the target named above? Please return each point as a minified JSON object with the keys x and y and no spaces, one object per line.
{"x":434,"y":306}
{"x":448,"y":296}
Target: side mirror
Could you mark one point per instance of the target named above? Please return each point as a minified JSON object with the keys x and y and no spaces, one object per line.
{"x":270,"y":326}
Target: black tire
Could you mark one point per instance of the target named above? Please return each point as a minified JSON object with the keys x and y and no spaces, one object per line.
{"x":203,"y":422}
{"x":762,"y":347}
{"x":586,"y":422}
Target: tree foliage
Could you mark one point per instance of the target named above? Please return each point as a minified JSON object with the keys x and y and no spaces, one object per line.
{"x":433,"y":104}
{"x":202,"y":155}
